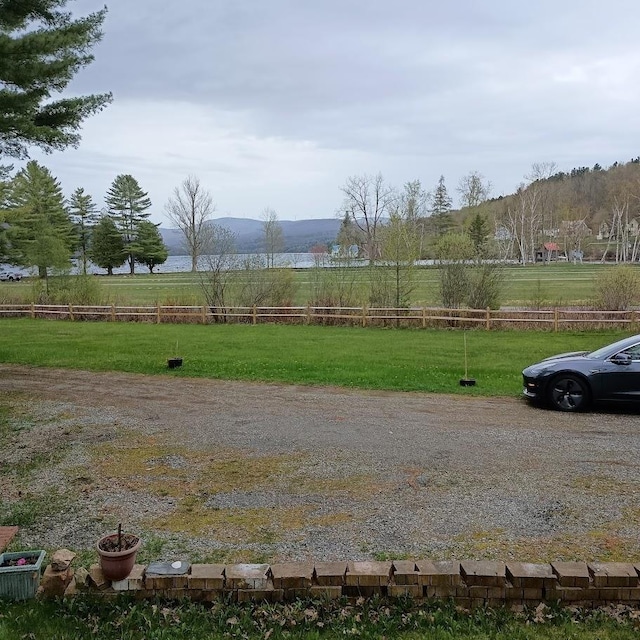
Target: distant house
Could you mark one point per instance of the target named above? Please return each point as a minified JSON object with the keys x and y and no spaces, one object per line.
{"x":502,"y":234}
{"x":603,"y":231}
{"x":338,"y":251}
{"x":549,"y":252}
{"x":576,"y":229}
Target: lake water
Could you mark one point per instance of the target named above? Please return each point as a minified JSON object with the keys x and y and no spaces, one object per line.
{"x":176,"y":264}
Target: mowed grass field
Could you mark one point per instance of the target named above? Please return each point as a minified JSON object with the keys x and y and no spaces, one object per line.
{"x":384,"y":359}
{"x":558,"y":284}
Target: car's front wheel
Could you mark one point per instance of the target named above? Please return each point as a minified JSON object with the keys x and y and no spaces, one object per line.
{"x":567,"y":392}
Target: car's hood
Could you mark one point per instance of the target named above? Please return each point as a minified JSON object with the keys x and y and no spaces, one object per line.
{"x":561,"y":360}
{"x":565,"y":356}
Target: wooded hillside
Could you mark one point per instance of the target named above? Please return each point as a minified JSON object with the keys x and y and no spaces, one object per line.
{"x":594,"y":211}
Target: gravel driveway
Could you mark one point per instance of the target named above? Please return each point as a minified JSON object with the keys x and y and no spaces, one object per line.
{"x":243,"y":471}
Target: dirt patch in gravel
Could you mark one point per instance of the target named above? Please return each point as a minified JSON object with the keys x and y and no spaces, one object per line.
{"x":234,"y":471}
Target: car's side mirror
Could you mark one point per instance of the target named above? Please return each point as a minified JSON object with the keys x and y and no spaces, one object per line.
{"x":622,"y":358}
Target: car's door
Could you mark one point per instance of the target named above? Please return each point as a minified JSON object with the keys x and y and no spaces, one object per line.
{"x":621,"y":377}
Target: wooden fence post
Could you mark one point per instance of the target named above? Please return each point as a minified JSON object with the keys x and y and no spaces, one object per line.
{"x":556,"y":319}
{"x":204,"y":314}
{"x":33,"y":310}
{"x":71,"y":312}
{"x":424,"y":318}
{"x":364,"y":316}
{"x":113,"y":313}
{"x":255,"y":314}
{"x":308,"y":314}
{"x":488,"y":317}
{"x":158,"y":313}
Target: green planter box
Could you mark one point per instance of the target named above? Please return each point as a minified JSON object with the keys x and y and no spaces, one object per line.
{"x":20,"y":582}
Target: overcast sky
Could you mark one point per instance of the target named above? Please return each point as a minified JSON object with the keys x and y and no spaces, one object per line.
{"x":274,"y":103}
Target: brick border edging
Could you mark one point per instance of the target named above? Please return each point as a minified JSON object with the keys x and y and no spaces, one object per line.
{"x":470,"y":583}
{"x":7,"y":534}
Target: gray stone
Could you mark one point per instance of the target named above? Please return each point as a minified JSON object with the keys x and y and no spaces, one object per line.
{"x":159,"y":569}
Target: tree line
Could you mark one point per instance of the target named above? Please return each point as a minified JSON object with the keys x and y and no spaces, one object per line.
{"x":42,"y":229}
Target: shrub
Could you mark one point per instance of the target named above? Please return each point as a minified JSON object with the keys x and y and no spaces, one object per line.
{"x":617,"y":288}
{"x":80,"y":290}
{"x":454,"y":284}
{"x":266,"y":287}
{"x":485,"y":287}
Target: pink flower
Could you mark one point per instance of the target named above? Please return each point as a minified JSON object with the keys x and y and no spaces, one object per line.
{"x":21,"y":561}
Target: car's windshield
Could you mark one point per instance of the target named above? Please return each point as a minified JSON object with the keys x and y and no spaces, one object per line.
{"x":610,"y":349}
{"x":599,"y":353}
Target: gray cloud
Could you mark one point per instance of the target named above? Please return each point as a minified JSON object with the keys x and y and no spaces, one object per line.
{"x":409,"y":87}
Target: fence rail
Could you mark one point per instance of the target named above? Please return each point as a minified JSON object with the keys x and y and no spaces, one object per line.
{"x":415,"y":317}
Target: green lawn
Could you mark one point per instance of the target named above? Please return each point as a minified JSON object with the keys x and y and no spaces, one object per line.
{"x":406,"y":360}
{"x":557,"y":284}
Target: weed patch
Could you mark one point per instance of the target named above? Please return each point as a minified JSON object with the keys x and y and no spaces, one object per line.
{"x":607,"y":544}
{"x":28,"y":509}
{"x":229,"y":525}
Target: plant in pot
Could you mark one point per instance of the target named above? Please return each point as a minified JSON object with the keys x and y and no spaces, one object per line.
{"x":117,"y":553}
{"x":20,"y":574}
{"x":176,"y":361}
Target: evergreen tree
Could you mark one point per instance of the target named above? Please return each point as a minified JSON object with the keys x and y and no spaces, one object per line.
{"x":128,"y":205}
{"x":348,"y":236}
{"x":107,"y":248}
{"x":41,"y":233}
{"x":41,"y":49}
{"x":84,"y":215}
{"x":441,"y":208}
{"x":5,"y":185}
{"x":479,"y":233}
{"x":148,"y":247}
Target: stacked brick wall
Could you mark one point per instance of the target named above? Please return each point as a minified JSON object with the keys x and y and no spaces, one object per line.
{"x":469,"y":583}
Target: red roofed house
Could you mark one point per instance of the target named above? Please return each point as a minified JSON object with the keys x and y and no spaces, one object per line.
{"x":549,"y":252}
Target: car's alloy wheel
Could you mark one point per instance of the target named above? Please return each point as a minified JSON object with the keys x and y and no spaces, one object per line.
{"x":568,"y":393}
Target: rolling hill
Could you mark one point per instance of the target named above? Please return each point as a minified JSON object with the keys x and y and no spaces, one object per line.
{"x":299,"y":235}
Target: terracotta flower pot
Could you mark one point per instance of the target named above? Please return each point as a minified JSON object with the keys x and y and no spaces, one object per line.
{"x":117,"y":565}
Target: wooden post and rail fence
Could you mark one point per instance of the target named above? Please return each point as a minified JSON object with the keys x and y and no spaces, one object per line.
{"x":414,"y":317}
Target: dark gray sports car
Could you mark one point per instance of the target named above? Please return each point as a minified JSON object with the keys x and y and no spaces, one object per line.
{"x":572,"y":381}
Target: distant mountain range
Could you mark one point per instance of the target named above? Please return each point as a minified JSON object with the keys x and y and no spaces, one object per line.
{"x":299,"y":235}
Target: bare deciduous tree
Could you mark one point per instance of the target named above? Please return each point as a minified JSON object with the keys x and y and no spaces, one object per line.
{"x":272,"y":235}
{"x":473,"y":189}
{"x":623,"y":230}
{"x":530,"y":218}
{"x":574,"y":232}
{"x":524,"y":222}
{"x":221,"y":260}
{"x":368,"y":200}
{"x":189,"y":209}
{"x":413,"y":206}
